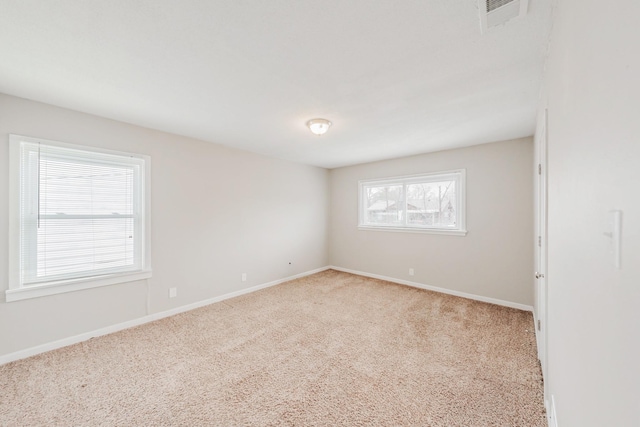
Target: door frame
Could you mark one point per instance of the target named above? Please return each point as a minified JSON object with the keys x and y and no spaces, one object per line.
{"x":541,"y":281}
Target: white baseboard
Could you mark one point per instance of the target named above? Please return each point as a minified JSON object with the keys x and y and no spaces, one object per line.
{"x":535,"y":329}
{"x":22,"y":354}
{"x":437,"y":289}
{"x":551,"y":414}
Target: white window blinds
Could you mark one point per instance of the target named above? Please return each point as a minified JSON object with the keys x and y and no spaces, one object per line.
{"x":81,"y":213}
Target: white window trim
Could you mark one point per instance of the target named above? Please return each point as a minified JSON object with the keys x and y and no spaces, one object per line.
{"x":53,"y":288}
{"x":16,"y":291}
{"x":408,"y":179}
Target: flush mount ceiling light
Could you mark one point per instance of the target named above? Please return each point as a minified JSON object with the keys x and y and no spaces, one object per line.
{"x":319,"y":126}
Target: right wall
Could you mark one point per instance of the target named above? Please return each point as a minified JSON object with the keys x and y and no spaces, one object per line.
{"x":592,"y":92}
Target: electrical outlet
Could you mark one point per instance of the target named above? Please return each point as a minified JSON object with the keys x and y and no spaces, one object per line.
{"x":173,"y":292}
{"x":411,"y":272}
{"x":244,"y":277}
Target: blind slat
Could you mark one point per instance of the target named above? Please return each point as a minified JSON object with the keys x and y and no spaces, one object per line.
{"x":81,"y":213}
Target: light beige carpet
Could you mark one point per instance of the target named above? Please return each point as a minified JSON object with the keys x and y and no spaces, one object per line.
{"x":326,"y":350}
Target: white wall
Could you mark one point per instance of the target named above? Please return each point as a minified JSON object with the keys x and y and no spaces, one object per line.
{"x":592,"y":90}
{"x":495,"y":259}
{"x":216,"y":213}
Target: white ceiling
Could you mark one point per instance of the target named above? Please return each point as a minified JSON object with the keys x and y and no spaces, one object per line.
{"x":396,"y":77}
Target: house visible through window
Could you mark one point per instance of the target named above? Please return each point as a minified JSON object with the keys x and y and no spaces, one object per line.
{"x":430,"y":202}
{"x":82,"y":217}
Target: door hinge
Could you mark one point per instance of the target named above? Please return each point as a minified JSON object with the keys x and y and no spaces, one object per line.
{"x":540,"y":241}
{"x":539,"y":324}
{"x":539,"y":169}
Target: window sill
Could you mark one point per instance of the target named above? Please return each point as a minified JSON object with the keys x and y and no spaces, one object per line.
{"x":414,"y":230}
{"x":52,"y":288}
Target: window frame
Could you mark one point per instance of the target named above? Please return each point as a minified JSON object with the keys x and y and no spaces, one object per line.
{"x":457,"y":175}
{"x":17,"y":290}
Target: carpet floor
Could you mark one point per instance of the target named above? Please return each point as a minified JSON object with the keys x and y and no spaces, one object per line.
{"x":331,"y":349}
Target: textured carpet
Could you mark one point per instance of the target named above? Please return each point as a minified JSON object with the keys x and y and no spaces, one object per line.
{"x":325,"y":350}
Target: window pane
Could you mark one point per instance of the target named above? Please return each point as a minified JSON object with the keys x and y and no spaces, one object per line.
{"x":89,"y":246}
{"x":81,"y":213}
{"x":72,"y":187}
{"x":86,"y":216}
{"x":384,"y":205}
{"x":432,"y":204}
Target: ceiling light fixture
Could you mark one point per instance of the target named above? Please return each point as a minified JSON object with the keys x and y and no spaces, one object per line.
{"x":319,"y":126}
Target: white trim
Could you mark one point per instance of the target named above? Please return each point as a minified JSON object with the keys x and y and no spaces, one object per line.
{"x":14,"y":213}
{"x":413,"y":230}
{"x":541,"y":247}
{"x":22,"y":354}
{"x":552,"y":418}
{"x":457,"y":175}
{"x":437,"y":289}
{"x":16,"y":289}
{"x":535,"y":328}
{"x":52,"y":288}
{"x":80,"y":147}
{"x":416,"y":177}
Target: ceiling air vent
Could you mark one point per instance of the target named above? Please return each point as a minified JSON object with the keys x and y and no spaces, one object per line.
{"x":497,"y":12}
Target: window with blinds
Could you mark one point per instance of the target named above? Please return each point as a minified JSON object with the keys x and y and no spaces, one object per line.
{"x":81,"y":213}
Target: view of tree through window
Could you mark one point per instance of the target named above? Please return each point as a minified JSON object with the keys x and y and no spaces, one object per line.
{"x":385,"y":205}
{"x":432,"y":203}
{"x":412,"y":202}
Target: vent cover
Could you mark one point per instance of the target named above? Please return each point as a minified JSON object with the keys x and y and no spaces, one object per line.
{"x":494,"y":4}
{"x":497,"y":12}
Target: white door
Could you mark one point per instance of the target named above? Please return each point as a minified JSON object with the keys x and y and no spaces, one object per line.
{"x":541,"y":267}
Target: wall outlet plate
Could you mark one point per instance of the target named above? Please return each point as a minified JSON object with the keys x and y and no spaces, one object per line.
{"x":173,"y":292}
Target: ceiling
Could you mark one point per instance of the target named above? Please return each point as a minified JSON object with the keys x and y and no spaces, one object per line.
{"x":396,"y":77}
